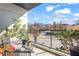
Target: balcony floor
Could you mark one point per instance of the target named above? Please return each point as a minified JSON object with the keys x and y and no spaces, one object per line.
{"x":39,"y":52}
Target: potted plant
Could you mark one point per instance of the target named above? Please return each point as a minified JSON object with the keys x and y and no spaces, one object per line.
{"x":23,"y":35}
{"x":19,"y":31}
{"x":67,"y":37}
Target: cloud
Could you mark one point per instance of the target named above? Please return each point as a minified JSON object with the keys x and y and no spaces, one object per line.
{"x":57,"y":5}
{"x":56,"y":19}
{"x":66,"y":19}
{"x":50,"y":22}
{"x":47,"y":16}
{"x":71,"y":3}
{"x":63,"y":11}
{"x":76,"y":14}
{"x":36,"y":18}
{"x":75,"y":19}
{"x":60,"y":15}
{"x":49,"y":8}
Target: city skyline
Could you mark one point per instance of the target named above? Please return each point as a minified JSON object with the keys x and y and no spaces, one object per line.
{"x":47,"y":13}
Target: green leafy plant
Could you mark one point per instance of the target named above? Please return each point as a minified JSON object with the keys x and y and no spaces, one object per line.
{"x":68,"y":36}
{"x":14,"y":30}
{"x":19,"y":31}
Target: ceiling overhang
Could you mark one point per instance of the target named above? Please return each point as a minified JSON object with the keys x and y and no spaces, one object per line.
{"x":8,"y":11}
{"x":27,"y":6}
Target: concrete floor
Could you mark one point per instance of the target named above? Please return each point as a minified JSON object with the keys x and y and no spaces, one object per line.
{"x":45,"y":40}
{"x":39,"y":52}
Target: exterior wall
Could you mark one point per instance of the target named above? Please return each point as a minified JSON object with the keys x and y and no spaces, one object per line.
{"x":9,"y":11}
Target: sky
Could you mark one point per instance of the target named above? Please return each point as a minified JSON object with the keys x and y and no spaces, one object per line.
{"x":48,"y":13}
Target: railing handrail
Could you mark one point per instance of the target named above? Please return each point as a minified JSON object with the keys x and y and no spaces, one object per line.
{"x":51,"y":50}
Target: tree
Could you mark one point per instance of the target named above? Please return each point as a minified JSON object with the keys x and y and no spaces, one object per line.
{"x":23,"y":34}
{"x":66,"y":37}
{"x":35,"y":31}
{"x":15,"y":28}
{"x":6,"y":36}
{"x":76,"y":37}
{"x":19,"y":31}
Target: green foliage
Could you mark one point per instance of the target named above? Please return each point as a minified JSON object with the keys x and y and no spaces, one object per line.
{"x":6,"y":31}
{"x":50,"y":33}
{"x":67,"y":36}
{"x":13,"y":31}
{"x":19,"y":31}
{"x":27,"y":38}
{"x":62,"y":48}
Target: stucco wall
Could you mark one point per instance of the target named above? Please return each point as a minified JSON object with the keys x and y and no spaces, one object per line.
{"x":9,"y":11}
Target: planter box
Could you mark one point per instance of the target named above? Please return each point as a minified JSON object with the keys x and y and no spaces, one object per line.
{"x":23,"y":42}
{"x":74,"y":51}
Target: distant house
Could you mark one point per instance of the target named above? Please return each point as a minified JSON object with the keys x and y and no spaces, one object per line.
{"x":75,"y":27}
{"x":56,"y":27}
